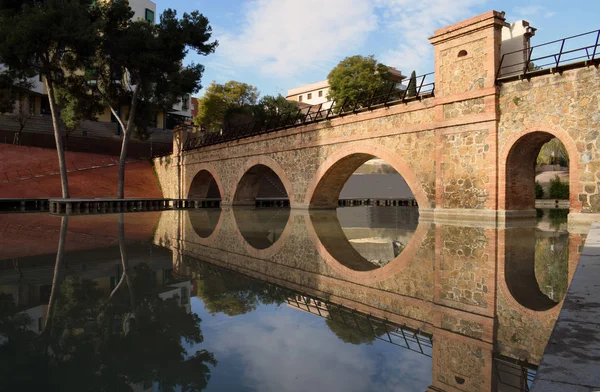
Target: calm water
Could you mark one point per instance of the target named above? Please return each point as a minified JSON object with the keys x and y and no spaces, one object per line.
{"x":358,"y":299}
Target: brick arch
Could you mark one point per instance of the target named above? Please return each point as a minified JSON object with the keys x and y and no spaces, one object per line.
{"x":517,"y":167}
{"x":197,"y":222}
{"x":201,"y":182}
{"x":247,"y":183}
{"x":327,"y":183}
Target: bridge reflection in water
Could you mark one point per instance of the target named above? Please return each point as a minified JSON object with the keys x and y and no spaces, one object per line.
{"x":447,"y":306}
{"x":480,"y":300}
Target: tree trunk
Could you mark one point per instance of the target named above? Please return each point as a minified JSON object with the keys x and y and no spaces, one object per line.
{"x":125,"y":263}
{"x":58,"y":267}
{"x":62,"y":165}
{"x":127,"y":132}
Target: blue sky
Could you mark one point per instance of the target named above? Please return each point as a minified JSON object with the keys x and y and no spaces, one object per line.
{"x":276,"y":45}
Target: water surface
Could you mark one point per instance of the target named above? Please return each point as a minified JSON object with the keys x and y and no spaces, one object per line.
{"x":244,"y":299}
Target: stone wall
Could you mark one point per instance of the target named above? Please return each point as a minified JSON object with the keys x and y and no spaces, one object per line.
{"x":298,"y":155}
{"x":565,"y":105}
{"x":167,"y":173}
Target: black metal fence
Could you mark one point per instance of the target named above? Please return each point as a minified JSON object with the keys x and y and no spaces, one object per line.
{"x":550,"y":55}
{"x":421,"y":87}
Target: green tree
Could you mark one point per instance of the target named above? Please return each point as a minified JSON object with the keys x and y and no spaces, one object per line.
{"x":270,"y":106}
{"x":357,"y":78}
{"x":411,"y":90}
{"x":139,"y":63}
{"x":221,"y":103}
{"x":354,"y":328}
{"x":233,"y":294}
{"x":77,"y":102}
{"x":52,"y":38}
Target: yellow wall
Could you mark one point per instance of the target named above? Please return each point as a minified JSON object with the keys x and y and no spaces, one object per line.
{"x":160,"y":120}
{"x":105,"y":116}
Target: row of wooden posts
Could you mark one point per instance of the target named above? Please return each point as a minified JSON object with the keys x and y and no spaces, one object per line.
{"x":102,"y":206}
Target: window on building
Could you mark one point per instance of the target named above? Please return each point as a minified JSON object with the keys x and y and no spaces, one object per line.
{"x":149,"y":15}
{"x":309,"y":96}
{"x":320,"y":93}
{"x":185,"y":102}
{"x":299,"y":98}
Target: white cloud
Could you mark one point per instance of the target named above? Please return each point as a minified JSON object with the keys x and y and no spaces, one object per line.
{"x":288,"y":350}
{"x":290,"y":39}
{"x":411,"y":23}
{"x":287,"y":37}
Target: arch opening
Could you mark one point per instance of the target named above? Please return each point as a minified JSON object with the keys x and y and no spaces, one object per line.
{"x":536,"y":267}
{"x":204,"y":187}
{"x":376,"y":213}
{"x":260,"y":186}
{"x":537,"y":167}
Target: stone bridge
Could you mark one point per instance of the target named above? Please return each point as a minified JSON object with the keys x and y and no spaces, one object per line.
{"x":467,"y":149}
{"x":473,"y":288}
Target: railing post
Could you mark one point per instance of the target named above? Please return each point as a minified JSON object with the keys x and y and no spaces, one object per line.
{"x":421,"y":85}
{"x":389,"y":93}
{"x":596,"y":46}
{"x":560,"y":53}
{"x":528,"y":61}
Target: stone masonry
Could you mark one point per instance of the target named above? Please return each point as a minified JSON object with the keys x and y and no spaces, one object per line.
{"x":467,"y":151}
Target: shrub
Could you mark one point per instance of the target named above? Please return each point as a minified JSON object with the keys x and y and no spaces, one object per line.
{"x":539,"y":190}
{"x":559,"y":189}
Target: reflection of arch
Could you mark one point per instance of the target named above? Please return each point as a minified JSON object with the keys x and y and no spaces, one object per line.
{"x":250,"y":220}
{"x":252,"y":174}
{"x":201,"y":221}
{"x":261,"y":228}
{"x":333,"y":246}
{"x":326,"y":185}
{"x":517,"y":168}
{"x":204,"y":221}
{"x":519,"y":270}
{"x":205,"y":184}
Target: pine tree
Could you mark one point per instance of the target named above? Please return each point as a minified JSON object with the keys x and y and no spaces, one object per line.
{"x":411,"y":90}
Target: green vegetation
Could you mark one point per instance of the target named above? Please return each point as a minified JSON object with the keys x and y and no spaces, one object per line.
{"x":558,"y":189}
{"x":52,"y":38}
{"x":357,"y":78}
{"x":141,"y":63}
{"x":110,"y":345}
{"x":539,"y":190}
{"x":411,"y":90}
{"x":227,"y":105}
{"x":92,"y":54}
{"x":552,"y":267}
{"x":232,"y":293}
{"x":354,"y":328}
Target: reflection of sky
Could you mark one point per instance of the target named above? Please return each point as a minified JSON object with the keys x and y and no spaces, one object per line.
{"x":284,"y":349}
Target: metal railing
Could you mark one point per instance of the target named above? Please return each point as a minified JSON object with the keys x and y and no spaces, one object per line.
{"x":514,"y":374}
{"x":410,"y":90}
{"x":366,"y":324}
{"x":576,"y":49}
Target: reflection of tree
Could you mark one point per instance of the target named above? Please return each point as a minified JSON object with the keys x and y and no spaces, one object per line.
{"x":552,"y":266}
{"x":558,"y":217}
{"x":234,"y":294}
{"x":100,"y":345}
{"x":354,"y":328}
